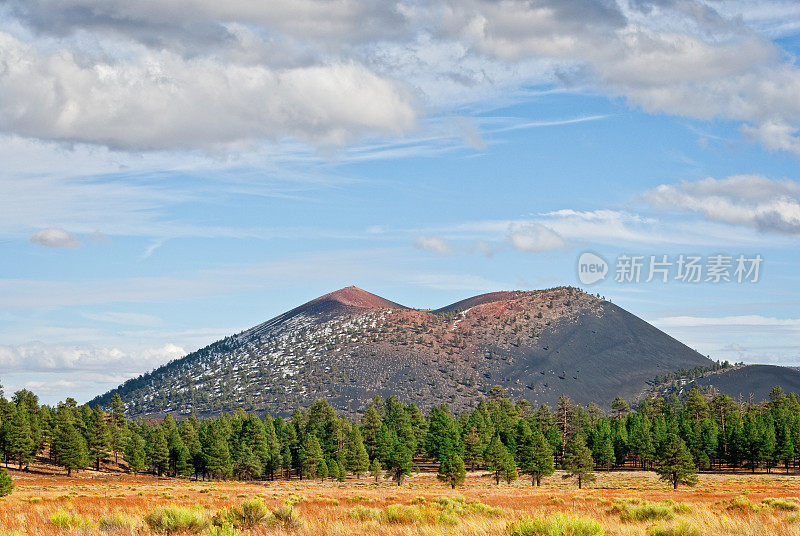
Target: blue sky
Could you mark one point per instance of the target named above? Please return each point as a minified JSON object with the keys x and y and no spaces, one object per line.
{"x":164,"y":186}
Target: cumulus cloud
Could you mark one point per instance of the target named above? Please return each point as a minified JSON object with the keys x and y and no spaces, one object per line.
{"x":434,"y":244}
{"x":534,"y":237}
{"x":681,"y":58}
{"x":764,"y":204}
{"x":55,"y":238}
{"x":159,"y":100}
{"x":187,"y":74}
{"x":40,"y":357}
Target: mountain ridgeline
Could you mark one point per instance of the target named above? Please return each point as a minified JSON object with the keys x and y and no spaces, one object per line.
{"x":350,"y":345}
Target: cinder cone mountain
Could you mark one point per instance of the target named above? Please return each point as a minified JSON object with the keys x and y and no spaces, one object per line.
{"x":350,"y":345}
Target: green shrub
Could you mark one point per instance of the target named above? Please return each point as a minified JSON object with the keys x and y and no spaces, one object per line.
{"x":635,"y":510}
{"x":681,"y":529}
{"x":556,"y":525}
{"x":780,"y":504}
{"x":365,"y":513}
{"x":171,"y":519}
{"x":115,"y":522}
{"x":6,"y":484}
{"x":743,"y":504}
{"x":293,"y":499}
{"x":253,"y":513}
{"x":398,"y":513}
{"x":226,"y":516}
{"x":639,"y":510}
{"x":287,"y":517}
{"x":447,"y":517}
{"x":63,"y":519}
{"x":224,"y":530}
{"x":484,"y":509}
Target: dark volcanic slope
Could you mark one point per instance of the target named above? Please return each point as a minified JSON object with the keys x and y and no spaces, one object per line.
{"x":594,"y":357}
{"x":755,"y":380}
{"x":350,"y":345}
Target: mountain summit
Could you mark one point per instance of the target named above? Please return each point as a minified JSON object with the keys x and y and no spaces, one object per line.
{"x":350,"y":345}
{"x":353,"y":296}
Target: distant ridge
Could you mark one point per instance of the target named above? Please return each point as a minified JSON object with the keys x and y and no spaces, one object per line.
{"x":350,"y":345}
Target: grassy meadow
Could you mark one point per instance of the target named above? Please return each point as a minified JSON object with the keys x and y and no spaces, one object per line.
{"x":618,"y":503}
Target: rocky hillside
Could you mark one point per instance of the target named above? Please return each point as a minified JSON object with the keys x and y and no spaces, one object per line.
{"x":350,"y":345}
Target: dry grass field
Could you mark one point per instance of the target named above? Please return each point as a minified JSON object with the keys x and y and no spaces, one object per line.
{"x":624,"y":503}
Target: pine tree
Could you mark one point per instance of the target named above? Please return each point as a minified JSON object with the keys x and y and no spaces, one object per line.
{"x":535,"y":456}
{"x":20,"y":445}
{"x":324,"y":469}
{"x":341,"y":474}
{"x":399,"y":421}
{"x":443,"y":437}
{"x":178,"y":454}
{"x":675,"y":465}
{"x":188,"y":429}
{"x":495,"y":458}
{"x":786,"y":447}
{"x":312,"y":457}
{"x":565,"y":414}
{"x":399,"y":464}
{"x":452,"y":471}
{"x":216,"y":455}
{"x":620,"y":407}
{"x":99,"y":441}
{"x":356,"y":457}
{"x":6,"y":484}
{"x":603,"y":445}
{"x":371,"y":426}
{"x":70,"y":446}
{"x":273,"y":446}
{"x":473,"y":447}
{"x":509,"y":468}
{"x":134,"y":452}
{"x":578,"y":460}
{"x":419,"y":425}
{"x":119,"y":426}
{"x":375,"y":469}
{"x":157,"y":451}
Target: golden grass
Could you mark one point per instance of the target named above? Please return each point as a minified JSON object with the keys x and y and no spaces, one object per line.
{"x":624,"y":504}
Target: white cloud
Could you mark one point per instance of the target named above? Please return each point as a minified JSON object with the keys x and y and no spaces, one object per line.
{"x":219,"y":76}
{"x":681,"y":58}
{"x":130,"y":319}
{"x":741,"y":320}
{"x":749,"y":200}
{"x":159,"y":100}
{"x":434,"y":244}
{"x":534,"y":237}
{"x":39,"y":357}
{"x":55,"y":238}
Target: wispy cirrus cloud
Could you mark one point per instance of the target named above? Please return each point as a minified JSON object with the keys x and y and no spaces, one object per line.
{"x":740,"y":320}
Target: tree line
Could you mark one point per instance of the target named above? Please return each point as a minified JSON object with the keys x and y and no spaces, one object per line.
{"x":671,"y":435}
